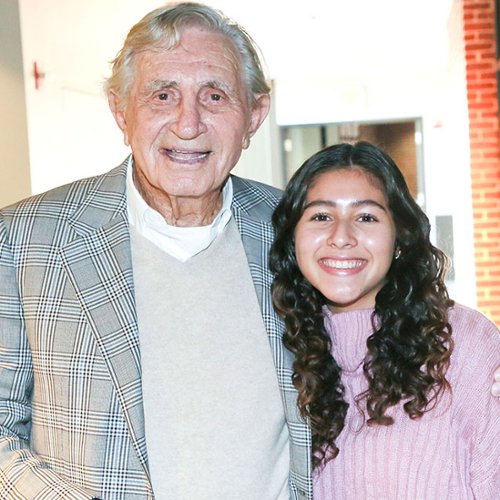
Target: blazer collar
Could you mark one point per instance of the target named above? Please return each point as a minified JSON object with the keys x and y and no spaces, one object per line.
{"x":105,"y":201}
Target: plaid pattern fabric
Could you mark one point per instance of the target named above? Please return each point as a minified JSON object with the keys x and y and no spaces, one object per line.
{"x":71,"y":413}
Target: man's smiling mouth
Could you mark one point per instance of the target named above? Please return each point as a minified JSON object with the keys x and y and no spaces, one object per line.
{"x":182,"y":155}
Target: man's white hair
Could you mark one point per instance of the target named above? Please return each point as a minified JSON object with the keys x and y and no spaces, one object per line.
{"x":161,"y":30}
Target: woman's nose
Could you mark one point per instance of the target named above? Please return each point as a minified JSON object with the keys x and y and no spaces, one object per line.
{"x":342,"y":235}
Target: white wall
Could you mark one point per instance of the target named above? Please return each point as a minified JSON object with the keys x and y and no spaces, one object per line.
{"x":14,"y":158}
{"x":72,"y":133}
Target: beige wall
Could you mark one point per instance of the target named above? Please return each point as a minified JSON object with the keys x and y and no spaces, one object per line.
{"x":14,"y":158}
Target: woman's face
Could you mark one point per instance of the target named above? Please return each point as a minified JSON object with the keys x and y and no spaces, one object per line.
{"x":345,"y":239}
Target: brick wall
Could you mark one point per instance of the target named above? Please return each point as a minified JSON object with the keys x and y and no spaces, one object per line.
{"x":480,"y":50}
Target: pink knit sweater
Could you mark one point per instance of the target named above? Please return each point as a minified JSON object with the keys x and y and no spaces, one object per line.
{"x":452,"y":452}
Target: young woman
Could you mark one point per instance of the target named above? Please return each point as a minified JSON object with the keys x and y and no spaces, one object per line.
{"x":392,"y":376}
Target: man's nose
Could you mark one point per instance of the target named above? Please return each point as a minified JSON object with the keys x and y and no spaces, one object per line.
{"x":342,"y":235}
{"x":188,"y":123}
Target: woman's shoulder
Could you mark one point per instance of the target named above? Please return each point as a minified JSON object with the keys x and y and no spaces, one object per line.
{"x":477,"y":344}
{"x":472,"y":321}
{"x":475,"y":412}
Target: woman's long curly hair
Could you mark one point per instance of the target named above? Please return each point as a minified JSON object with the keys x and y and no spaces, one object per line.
{"x":408,"y":354}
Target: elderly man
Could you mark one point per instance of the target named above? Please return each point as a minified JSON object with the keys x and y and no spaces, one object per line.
{"x":140,"y":351}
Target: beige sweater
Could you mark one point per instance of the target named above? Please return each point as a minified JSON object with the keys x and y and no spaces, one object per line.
{"x":215,"y":426}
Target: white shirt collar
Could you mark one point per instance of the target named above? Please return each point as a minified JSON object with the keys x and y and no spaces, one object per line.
{"x":179,"y":242}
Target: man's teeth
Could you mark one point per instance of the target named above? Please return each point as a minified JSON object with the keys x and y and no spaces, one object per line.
{"x":343,"y":264}
{"x":178,"y":154}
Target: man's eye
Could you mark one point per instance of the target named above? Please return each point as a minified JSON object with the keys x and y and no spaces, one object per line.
{"x":215,"y":97}
{"x":163,"y":96}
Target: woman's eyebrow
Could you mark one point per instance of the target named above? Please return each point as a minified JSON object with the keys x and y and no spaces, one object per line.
{"x":354,"y":203}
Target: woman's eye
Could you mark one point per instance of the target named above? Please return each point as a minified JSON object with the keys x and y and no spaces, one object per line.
{"x":367,"y":218}
{"x":320,"y":217}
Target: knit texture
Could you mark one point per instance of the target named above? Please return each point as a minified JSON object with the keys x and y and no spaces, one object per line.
{"x":452,"y":452}
{"x":215,"y":425}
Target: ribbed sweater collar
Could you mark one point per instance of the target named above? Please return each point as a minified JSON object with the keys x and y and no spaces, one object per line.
{"x":349,"y":332}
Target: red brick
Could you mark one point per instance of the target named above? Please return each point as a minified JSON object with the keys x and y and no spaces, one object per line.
{"x":479,"y":46}
{"x":485,"y":244}
{"x":469,"y":26}
{"x":481,"y":144}
{"x":489,"y":135}
{"x":483,"y":15}
{"x":488,"y":303}
{"x":478,"y":66}
{"x":488,"y":118}
{"x":490,"y":73}
{"x":495,"y":174}
{"x":482,"y":105}
{"x":482,"y":84}
{"x":468,"y":5}
{"x":484,"y":185}
{"x":472,"y":57}
{"x":474,"y":4}
{"x":486,"y":56}
{"x":488,"y":95}
{"x":489,"y":284}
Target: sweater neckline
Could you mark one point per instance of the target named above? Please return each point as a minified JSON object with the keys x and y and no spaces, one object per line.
{"x":349,"y":332}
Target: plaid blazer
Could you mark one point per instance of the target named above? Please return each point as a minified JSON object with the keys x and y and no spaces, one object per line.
{"x":71,"y":413}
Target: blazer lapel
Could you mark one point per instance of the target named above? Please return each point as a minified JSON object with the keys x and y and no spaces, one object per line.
{"x":257,"y":235}
{"x":257,"y":238}
{"x":99,"y":265}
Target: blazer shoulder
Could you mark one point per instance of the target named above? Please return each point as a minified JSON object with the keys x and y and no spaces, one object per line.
{"x":67,"y":198}
{"x":255,"y":198}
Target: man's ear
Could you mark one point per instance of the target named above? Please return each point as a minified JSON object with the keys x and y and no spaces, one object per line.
{"x":114,"y":101}
{"x":260,"y":110}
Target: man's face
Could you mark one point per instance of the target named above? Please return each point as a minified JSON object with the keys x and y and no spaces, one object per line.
{"x":187,"y":117}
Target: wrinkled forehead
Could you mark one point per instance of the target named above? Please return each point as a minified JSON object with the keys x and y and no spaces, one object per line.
{"x":194,"y":46}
